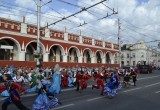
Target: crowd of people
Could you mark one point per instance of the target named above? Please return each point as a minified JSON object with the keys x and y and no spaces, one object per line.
{"x":47,"y":82}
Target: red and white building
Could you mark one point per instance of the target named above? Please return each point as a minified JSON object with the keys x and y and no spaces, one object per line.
{"x":18,"y":42}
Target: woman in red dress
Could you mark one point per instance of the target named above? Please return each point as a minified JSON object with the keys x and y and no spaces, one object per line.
{"x":64,"y":78}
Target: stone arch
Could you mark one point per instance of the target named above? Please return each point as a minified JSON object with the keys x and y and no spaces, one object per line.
{"x":10,"y":54}
{"x":116,"y":57}
{"x":87,"y":54}
{"x":30,"y":48}
{"x":98,"y":56}
{"x":73,"y":54}
{"x":56,"y":53}
{"x":43,"y":47}
{"x":108,"y":57}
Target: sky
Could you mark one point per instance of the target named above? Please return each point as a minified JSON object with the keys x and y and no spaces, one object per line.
{"x":139,"y":19}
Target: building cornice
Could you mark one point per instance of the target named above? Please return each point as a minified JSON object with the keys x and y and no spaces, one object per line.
{"x":52,"y":39}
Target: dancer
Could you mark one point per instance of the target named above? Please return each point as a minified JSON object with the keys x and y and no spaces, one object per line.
{"x":70,"y":78}
{"x":14,"y":96}
{"x":64,"y":78}
{"x":45,"y":100}
{"x":56,"y":81}
{"x":110,"y":89}
{"x":100,"y":82}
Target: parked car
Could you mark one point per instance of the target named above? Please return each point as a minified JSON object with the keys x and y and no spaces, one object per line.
{"x":145,"y":69}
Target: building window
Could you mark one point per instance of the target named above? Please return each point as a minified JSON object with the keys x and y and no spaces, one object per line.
{"x":127,"y":62}
{"x":127,"y":55}
{"x":133,"y":55}
{"x":134,"y":63}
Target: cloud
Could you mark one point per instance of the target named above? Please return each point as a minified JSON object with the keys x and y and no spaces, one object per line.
{"x":139,"y":20}
{"x":26,"y":3}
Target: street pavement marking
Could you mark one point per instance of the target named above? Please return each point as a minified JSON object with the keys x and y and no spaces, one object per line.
{"x":142,"y":87}
{"x":148,"y":77}
{"x":72,"y":88}
{"x":132,"y":89}
{"x":152,"y":84}
{"x":94,"y":99}
{"x":76,"y":97}
{"x":157,"y":92}
{"x":63,"y":106}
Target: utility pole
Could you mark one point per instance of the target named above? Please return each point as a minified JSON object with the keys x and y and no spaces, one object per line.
{"x":38,"y":52}
{"x":119,"y":43}
{"x":38,"y":63}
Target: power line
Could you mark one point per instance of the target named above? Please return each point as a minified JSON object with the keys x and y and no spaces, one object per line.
{"x":83,"y":9}
{"x":69,"y":3}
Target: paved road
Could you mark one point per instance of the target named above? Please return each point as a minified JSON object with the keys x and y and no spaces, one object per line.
{"x":145,"y":96}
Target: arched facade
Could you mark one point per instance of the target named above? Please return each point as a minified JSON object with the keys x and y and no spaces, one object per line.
{"x":108,"y":57}
{"x":87,"y":54}
{"x":56,"y":53}
{"x":20,"y":44}
{"x":31,"y":48}
{"x":10,"y":48}
{"x":73,"y":54}
{"x":98,"y":56}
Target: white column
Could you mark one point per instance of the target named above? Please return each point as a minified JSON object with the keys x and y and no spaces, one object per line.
{"x":93,"y":43}
{"x":103,"y":43}
{"x":22,"y":56}
{"x":47,"y":32}
{"x":112,"y":46}
{"x":65,"y":58}
{"x":80,"y":59}
{"x":23,"y":26}
{"x":112,"y":60}
{"x":93,"y":59}
{"x":80,"y":39}
{"x":45,"y":57}
{"x":104,"y":60}
{"x":66,"y":36}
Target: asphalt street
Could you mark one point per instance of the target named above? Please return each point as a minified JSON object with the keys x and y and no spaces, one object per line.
{"x":144,"y":96}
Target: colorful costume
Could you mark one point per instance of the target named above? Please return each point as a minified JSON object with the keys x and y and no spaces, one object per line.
{"x":111,"y":88}
{"x":70,"y":79}
{"x":56,"y":83}
{"x":99,"y":83}
{"x":13,"y":98}
{"x":64,"y":79}
{"x":44,"y":100}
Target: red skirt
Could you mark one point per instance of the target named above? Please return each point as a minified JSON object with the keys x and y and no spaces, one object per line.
{"x":83,"y":84}
{"x":2,"y":88}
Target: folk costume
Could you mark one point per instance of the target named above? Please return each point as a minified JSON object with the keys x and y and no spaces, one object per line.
{"x":13,"y":97}
{"x":56,"y":81}
{"x":64,"y":79}
{"x":100,"y":83}
{"x":45,"y":100}
{"x":109,"y":89}
{"x":70,"y":79}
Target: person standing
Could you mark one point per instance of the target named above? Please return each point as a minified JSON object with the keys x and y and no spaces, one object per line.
{"x":134,"y":76}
